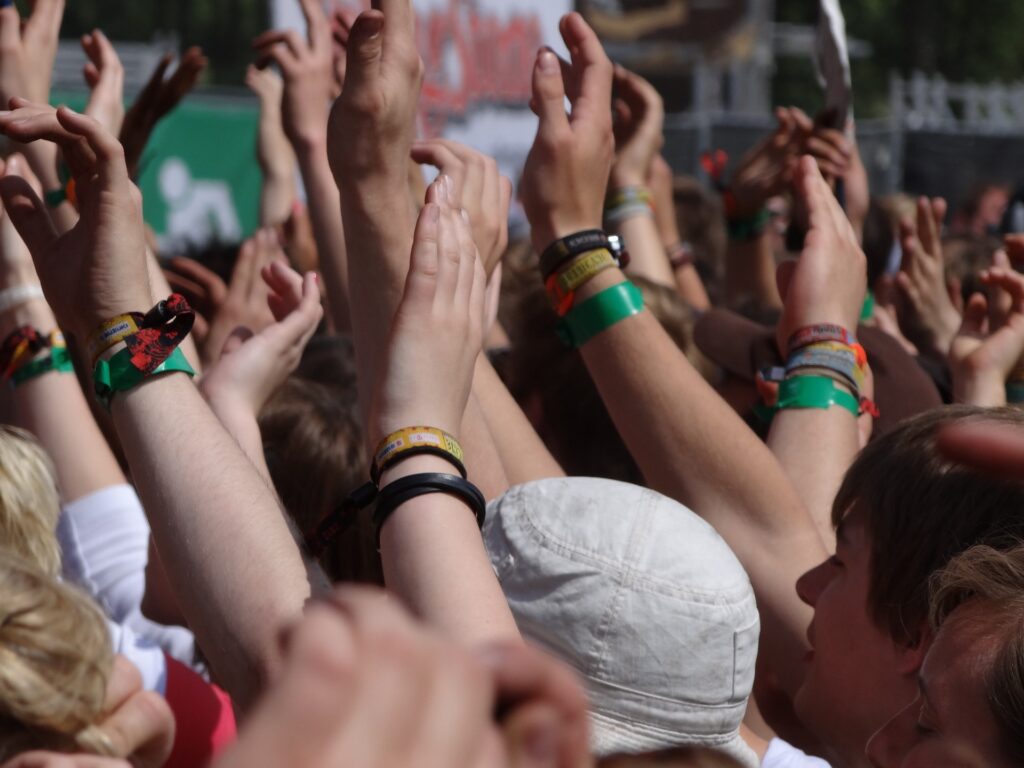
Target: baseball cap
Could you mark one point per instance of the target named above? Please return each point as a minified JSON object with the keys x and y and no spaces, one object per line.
{"x":643,"y":598}
{"x":742,"y":347}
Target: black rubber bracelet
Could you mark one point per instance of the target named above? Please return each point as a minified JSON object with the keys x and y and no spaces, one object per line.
{"x":393,"y":495}
{"x":408,"y":453}
{"x":567,"y":247}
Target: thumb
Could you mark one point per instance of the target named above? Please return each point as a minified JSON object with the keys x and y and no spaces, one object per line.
{"x":548,"y":91}
{"x":975,"y":315}
{"x":28,"y":214}
{"x":365,"y":42}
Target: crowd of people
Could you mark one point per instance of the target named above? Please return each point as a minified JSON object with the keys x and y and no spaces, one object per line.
{"x":693,"y":474}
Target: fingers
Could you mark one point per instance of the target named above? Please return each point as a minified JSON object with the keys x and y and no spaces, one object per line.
{"x":364,"y":51}
{"x":549,"y":93}
{"x":299,"y":325}
{"x":423,"y":265}
{"x":468,"y":260}
{"x":591,"y":67}
{"x":975,"y":316}
{"x":446,"y":157}
{"x":211,"y":286}
{"x":10,"y":28}
{"x":449,"y":253}
{"x":28,"y":214}
{"x":400,"y":30}
{"x":316,"y":24}
{"x":928,"y":228}
{"x":107,"y":149}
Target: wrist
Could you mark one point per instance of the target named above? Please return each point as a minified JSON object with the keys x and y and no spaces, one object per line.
{"x":415,"y":465}
{"x":625,"y":177}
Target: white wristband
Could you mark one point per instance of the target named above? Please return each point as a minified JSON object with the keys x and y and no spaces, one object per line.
{"x":19,"y":294}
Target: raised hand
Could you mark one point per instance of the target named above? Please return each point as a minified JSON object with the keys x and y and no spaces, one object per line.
{"x":28,"y":50}
{"x":639,"y":122}
{"x":274,"y":153}
{"x":158,"y":98}
{"x":342,"y":20}
{"x":566,"y":174}
{"x":438,"y":325}
{"x":97,"y":269}
{"x":373,"y":121}
{"x":252,"y":366}
{"x":990,"y":344}
{"x":925,"y":310}
{"x":767,"y":170}
{"x":827,"y":284}
{"x":308,"y":70}
{"x":478,"y":188}
{"x":104,"y":74}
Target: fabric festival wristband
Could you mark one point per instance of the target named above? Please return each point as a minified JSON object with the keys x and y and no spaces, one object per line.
{"x":748,"y":228}
{"x":680,"y":255}
{"x":563,"y":284}
{"x":599,"y":313}
{"x":565,"y":248}
{"x":614,"y":217}
{"x":868,"y":310}
{"x":119,"y":374}
{"x":629,"y":196}
{"x":416,"y":441}
{"x":393,"y":495}
{"x":112,"y":332}
{"x":58,"y":359}
{"x":843,"y":362}
{"x":813,"y":334}
{"x":815,"y":392}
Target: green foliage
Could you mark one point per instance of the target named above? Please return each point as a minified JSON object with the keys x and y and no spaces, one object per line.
{"x":223,"y":28}
{"x":963,"y":40}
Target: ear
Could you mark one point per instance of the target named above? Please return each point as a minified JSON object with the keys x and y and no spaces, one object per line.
{"x":911,"y":656}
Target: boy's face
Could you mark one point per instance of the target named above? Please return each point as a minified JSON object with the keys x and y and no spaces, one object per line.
{"x":858,"y":677}
{"x":949,"y":724}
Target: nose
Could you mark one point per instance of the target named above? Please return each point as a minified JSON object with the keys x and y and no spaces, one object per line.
{"x":810,"y":586}
{"x":891,"y":743}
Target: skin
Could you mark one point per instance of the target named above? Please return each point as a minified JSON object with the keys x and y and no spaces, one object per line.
{"x":949,"y":724}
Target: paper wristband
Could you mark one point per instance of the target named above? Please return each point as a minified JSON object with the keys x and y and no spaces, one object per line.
{"x":813,"y":334}
{"x":414,"y":441}
{"x":599,"y":313}
{"x":112,"y":332}
{"x":59,"y":360}
{"x":119,"y":374}
{"x":815,"y":392}
{"x":565,"y":248}
{"x":563,"y":284}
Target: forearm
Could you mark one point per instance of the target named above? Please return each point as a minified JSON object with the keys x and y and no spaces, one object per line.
{"x":325,"y":213}
{"x":223,"y":539}
{"x":483,"y":457}
{"x":647,"y":256}
{"x":691,"y":288}
{"x":750,"y":274}
{"x":53,"y":407}
{"x":522,"y":453}
{"x":434,"y":558}
{"x":278,"y":164}
{"x":815,"y":448}
{"x":239,"y":422}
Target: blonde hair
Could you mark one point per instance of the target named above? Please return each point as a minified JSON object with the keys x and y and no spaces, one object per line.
{"x":55,"y":662}
{"x":29,"y":502}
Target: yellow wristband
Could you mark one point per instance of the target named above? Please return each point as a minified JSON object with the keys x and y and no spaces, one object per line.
{"x":562,"y":285}
{"x":113,"y":331}
{"x":411,"y":441}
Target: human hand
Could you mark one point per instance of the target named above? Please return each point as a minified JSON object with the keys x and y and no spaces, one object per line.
{"x":308,"y":70}
{"x":638,"y":128}
{"x":296,"y":236}
{"x":252,"y":366}
{"x":437,"y":332}
{"x":827,"y":284}
{"x":97,"y":269}
{"x":156,"y":99}
{"x":342,"y":20}
{"x":16,"y":267}
{"x":104,"y":74}
{"x":272,"y":149}
{"x":372,"y":123}
{"x":990,"y":344}
{"x":28,"y":50}
{"x":240,"y":304}
{"x":478,"y":188}
{"x":566,"y":174}
{"x":767,"y":170}
{"x":829,"y":146}
{"x":330,"y":708}
{"x":925,"y":311}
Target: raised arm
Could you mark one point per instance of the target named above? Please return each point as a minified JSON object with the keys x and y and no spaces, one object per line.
{"x":275,"y":155}
{"x":226,"y":547}
{"x":688,"y":442}
{"x":308,"y":70}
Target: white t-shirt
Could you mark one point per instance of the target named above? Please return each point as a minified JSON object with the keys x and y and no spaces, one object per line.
{"x":781,"y":754}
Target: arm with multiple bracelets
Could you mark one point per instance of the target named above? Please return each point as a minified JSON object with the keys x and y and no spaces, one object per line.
{"x":236,"y":569}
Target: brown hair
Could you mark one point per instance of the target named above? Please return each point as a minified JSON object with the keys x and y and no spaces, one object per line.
{"x":55,"y":661}
{"x":314,"y":447}
{"x":701,"y":221}
{"x":921,"y":510}
{"x":993,"y":579}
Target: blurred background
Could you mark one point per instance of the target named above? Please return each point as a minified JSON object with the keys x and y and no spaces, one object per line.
{"x":938,"y":85}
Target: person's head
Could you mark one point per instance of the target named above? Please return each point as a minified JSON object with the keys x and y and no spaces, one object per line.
{"x":902,"y":513}
{"x":314,"y":447}
{"x":55,"y":661}
{"x":642,"y":598}
{"x":29,"y":502}
{"x":554,"y":389}
{"x":701,"y":221}
{"x":970,"y":706}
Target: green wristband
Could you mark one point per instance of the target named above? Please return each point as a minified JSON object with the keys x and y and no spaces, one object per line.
{"x":815,"y":392}
{"x":599,"y":313}
{"x":867,"y":311}
{"x":1015,"y":392}
{"x":119,"y":375}
{"x":750,"y":228}
{"x":55,"y":198}
{"x":58,"y":360}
